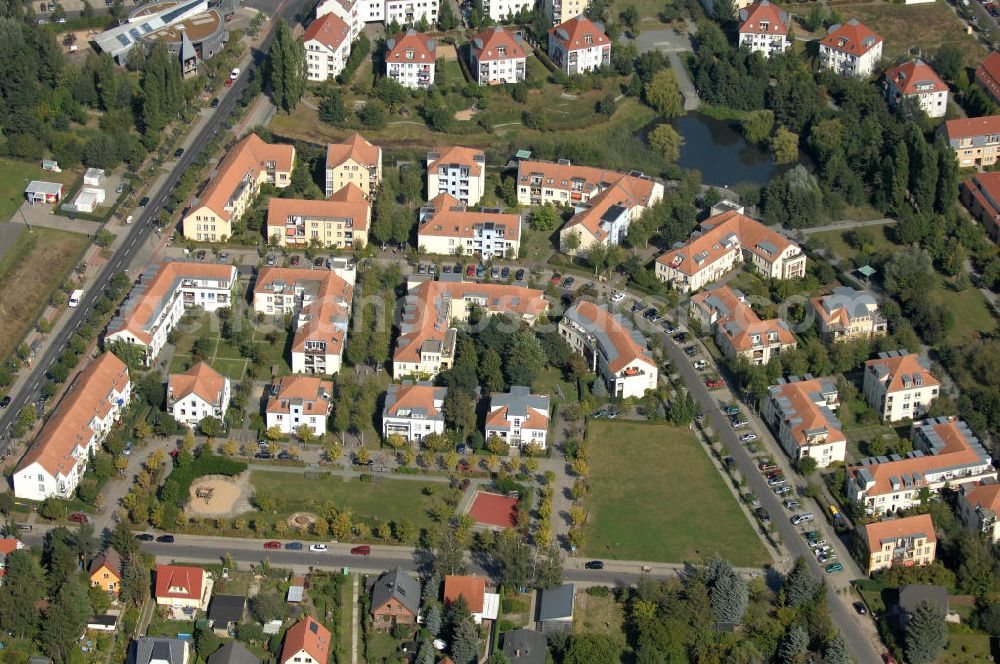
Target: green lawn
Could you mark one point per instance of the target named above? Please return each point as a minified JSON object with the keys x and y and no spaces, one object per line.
{"x":836,"y":241}
{"x":385,"y":500}
{"x":546,"y":381}
{"x":381,"y":647}
{"x":225,"y":357}
{"x":972,"y":313}
{"x":14,"y":177}
{"x":655,"y":495}
{"x":966,"y":647}
{"x":598,"y":615}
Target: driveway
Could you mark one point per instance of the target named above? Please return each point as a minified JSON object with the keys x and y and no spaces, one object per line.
{"x":667,"y":40}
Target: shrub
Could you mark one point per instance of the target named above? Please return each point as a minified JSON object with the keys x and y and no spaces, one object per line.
{"x":178,"y":485}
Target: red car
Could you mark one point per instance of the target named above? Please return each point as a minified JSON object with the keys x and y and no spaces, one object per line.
{"x":470,"y":271}
{"x":556,"y":278}
{"x":272,"y":545}
{"x":78,"y":517}
{"x":363,"y":550}
{"x":229,"y":82}
{"x":714,"y":383}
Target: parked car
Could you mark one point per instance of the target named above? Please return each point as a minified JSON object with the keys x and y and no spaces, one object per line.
{"x":731,"y":410}
{"x":860,"y":608}
{"x":782,"y":490}
{"x":318,"y":262}
{"x":144,"y":201}
{"x":519,"y":275}
{"x":777,"y":481}
{"x":145,"y":537}
{"x":617,"y":296}
{"x":293,"y":546}
{"x":263,"y":454}
{"x":763,"y":515}
{"x":568,"y":282}
{"x":363,"y":550}
{"x":681,"y":337}
{"x":215,"y":103}
{"x":295,"y":261}
{"x":802,"y":518}
{"x":178,"y":152}
{"x":271,"y":260}
{"x":121,"y":187}
{"x":317,"y":548}
{"x":127,"y":449}
{"x":791,"y":504}
{"x":766,"y":466}
{"x":668,"y":328}
{"x":595,"y":564}
{"x":224,"y":257}
{"x":421,"y":268}
{"x":165,"y":539}
{"x":447,"y":269}
{"x":816,"y":543}
{"x":234,"y":74}
{"x":5,"y":401}
{"x":470,"y":271}
{"x":822,"y":560}
{"x":480,"y":271}
{"x":272,"y":545}
{"x":714,"y":383}
{"x":738,"y":423}
{"x":505,"y":272}
{"x":812,"y":534}
{"x":700,"y":365}
{"x":556,"y":278}
{"x":636,"y":307}
{"x":748,"y":437}
{"x":495,"y":272}
{"x":78,"y":517}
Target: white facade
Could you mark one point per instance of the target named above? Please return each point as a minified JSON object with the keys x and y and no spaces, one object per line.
{"x":898,"y":386}
{"x":324,"y":62}
{"x":802,"y":415}
{"x":519,"y":418}
{"x":497,"y":57}
{"x":501,"y":70}
{"x":579,"y":46}
{"x":413,"y":411}
{"x":458,"y":172}
{"x":356,"y":14}
{"x":499,"y":10}
{"x":850,"y":49}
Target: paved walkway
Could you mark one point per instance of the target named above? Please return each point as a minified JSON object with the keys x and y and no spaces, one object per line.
{"x":691,"y":99}
{"x":354,"y":619}
{"x":846,"y":224}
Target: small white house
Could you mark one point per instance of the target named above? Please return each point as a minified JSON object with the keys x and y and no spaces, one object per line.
{"x":518,"y":417}
{"x":199,"y":392}
{"x":297,"y":401}
{"x":413,"y":410}
{"x":92,"y":177}
{"x":88,"y":199}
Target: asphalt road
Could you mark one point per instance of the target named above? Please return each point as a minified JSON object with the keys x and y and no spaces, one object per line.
{"x":138,"y":234}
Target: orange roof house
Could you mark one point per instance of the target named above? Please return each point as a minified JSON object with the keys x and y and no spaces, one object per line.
{"x":853,"y":38}
{"x":307,"y":641}
{"x":356,"y":161}
{"x":182,"y":588}
{"x":199,"y":392}
{"x":914,"y":77}
{"x":329,"y":30}
{"x":411,"y":46}
{"x":801,"y":412}
{"x":297,"y":401}
{"x":908,"y":541}
{"x":341,"y":221}
{"x":448,"y":226}
{"x":472,"y":588}
{"x":763,"y":18}
{"x":106,"y":571}
{"x":518,"y":417}
{"x":988,"y":75}
{"x":495,"y":43}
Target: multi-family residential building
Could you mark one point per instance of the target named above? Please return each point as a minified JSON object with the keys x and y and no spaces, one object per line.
{"x":850,"y":49}
{"x":426,"y":343}
{"x":764,"y":28}
{"x":341,"y":221}
{"x":614,"y":349}
{"x":297,"y":401}
{"x":738,"y":330}
{"x":358,"y":12}
{"x":347,"y":10}
{"x":579,"y":45}
{"x":976,"y":141}
{"x":802,"y":414}
{"x":231,"y":190}
{"x":981,"y":196}
{"x":183,"y":589}
{"x":199,"y":392}
{"x":58,"y":458}
{"x":162,"y":295}
{"x":328,"y":44}
{"x":482,"y":605}
{"x":899,"y":385}
{"x":916,"y":80}
{"x":355,"y":161}
{"x":320,"y":301}
{"x":847,"y":314}
{"x":978,"y":506}
{"x":945,"y":453}
{"x":410,"y":58}
{"x":306,"y":642}
{"x":908,"y":541}
{"x":447,"y":226}
{"x":413,"y":410}
{"x":497,"y":56}
{"x":518,"y":417}
{"x":723,"y":242}
{"x":988,"y":76}
{"x":558,"y":11}
{"x":458,"y":171}
{"x":501,"y":10}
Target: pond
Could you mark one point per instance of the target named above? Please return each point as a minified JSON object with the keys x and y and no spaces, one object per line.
{"x":720,"y":152}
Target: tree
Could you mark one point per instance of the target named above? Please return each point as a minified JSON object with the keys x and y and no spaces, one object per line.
{"x":525,"y":357}
{"x":498,"y":658}
{"x":799,"y":586}
{"x":491,"y":371}
{"x":446,"y":18}
{"x":545,"y":218}
{"x":449,"y":552}
{"x":926,"y":633}
{"x":332,"y":109}
{"x":464,"y":647}
{"x":135,"y":579}
{"x":211,"y":427}
{"x":432,"y":620}
{"x":664,"y":95}
{"x":728,"y":593}
{"x":285,"y":68}
{"x":460,"y":410}
{"x":665,"y":140}
{"x":807,"y":465}
{"x":590,"y":648}
{"x":785,"y":145}
{"x":23,"y":587}
{"x":65,"y":619}
{"x":948,"y":61}
{"x":511,"y":556}
{"x":837,"y":651}
{"x":548,"y":566}
{"x":794,"y":645}
{"x":570,"y":242}
{"x":757,"y":125}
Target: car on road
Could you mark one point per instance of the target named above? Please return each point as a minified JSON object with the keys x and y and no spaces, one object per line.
{"x":272,"y":545}
{"x":317,"y":548}
{"x":802,"y":518}
{"x":295,"y":261}
{"x":519,"y":275}
{"x":145,"y":537}
{"x":617,"y":296}
{"x":748,"y":437}
{"x":595,"y":564}
{"x":700,"y":365}
{"x":215,"y":102}
{"x":860,"y":608}
{"x":234,"y":74}
{"x":144,"y":201}
{"x":78,"y":517}
{"x":835,"y":567}
{"x":568,"y":282}
{"x":714,"y":383}
{"x":178,"y":152}
{"x":293,"y":546}
{"x":556,"y":278}
{"x":363,"y":550}
{"x":5,"y":401}
{"x":165,"y":539}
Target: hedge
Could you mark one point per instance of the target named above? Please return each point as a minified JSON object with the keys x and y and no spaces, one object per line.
{"x":178,"y":485}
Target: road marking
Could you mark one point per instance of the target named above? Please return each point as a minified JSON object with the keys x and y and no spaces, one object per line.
{"x":35,"y":386}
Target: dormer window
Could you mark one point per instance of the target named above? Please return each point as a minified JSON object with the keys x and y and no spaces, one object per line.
{"x":501,"y":50}
{"x":589,"y":39}
{"x":764,"y":25}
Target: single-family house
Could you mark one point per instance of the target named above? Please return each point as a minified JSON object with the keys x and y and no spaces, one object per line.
{"x":579,"y":46}
{"x":306,"y":642}
{"x":802,"y":414}
{"x":159,"y":650}
{"x":482,"y":605}
{"x":457,"y":171}
{"x":225,"y":611}
{"x":410,"y":59}
{"x":355,"y":161}
{"x":497,"y":56}
{"x":184,"y":590}
{"x":916,"y":80}
{"x":847,"y":314}
{"x":764,"y":28}
{"x":525,"y":646}
{"x":555,"y":609}
{"x":297,"y":401}
{"x":518,"y":417}
{"x":106,"y":571}
{"x":413,"y":410}
{"x":899,"y":385}
{"x":199,"y":392}
{"x":850,"y":49}
{"x":233,"y":652}
{"x":395,"y":600}
{"x":907,"y":541}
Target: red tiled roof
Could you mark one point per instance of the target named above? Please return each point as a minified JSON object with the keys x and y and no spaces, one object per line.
{"x":911,"y":78}
{"x":969,"y":127}
{"x":8,"y":545}
{"x":988,"y":74}
{"x":463,"y":156}
{"x":176,"y":582}
{"x":356,"y":148}
{"x":627,"y":191}
{"x":894,"y":529}
{"x":853,"y":38}
{"x":413,"y":396}
{"x":306,"y":635}
{"x":904,"y":365}
{"x":572,"y":34}
{"x":314,"y":393}
{"x":628,"y":349}
{"x":329,"y":30}
{"x":985,"y":188}
{"x":486,"y":43}
{"x":763,"y":18}
{"x":986,"y":496}
{"x":422,"y":47}
{"x":472,"y":588}
{"x":201,"y":380}
{"x":249,"y":156}
{"x":451,"y":218}
{"x":808,"y":416}
{"x":348,"y":202}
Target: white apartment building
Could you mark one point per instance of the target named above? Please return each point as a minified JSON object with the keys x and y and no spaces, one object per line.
{"x":162,"y":295}
{"x":850,"y":49}
{"x":358,"y":12}
{"x":448,"y":227}
{"x":297,"y":401}
{"x":518,"y":417}
{"x":410,"y":59}
{"x":738,"y":329}
{"x":457,"y":171}
{"x":328,"y":44}
{"x":764,"y":28}
{"x":413,"y":410}
{"x":199,"y":392}
{"x":55,"y":463}
{"x":917,"y":80}
{"x":500,"y":10}
{"x":847,"y":314}
{"x":497,"y":57}
{"x":559,"y":11}
{"x":579,"y":45}
{"x":801,"y":413}
{"x":613,"y":348}
{"x":978,"y":506}
{"x":898,"y":385}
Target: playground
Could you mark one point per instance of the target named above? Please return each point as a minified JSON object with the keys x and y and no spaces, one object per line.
{"x":219,"y":496}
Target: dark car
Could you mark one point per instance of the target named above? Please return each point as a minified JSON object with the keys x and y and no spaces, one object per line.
{"x":636,"y":307}
{"x":556,"y":278}
{"x":519,"y":275}
{"x":568,"y":282}
{"x":178,"y":152}
{"x":165,"y":539}
{"x":200,"y":255}
{"x":294,"y":546}
{"x":5,"y":401}
{"x":215,"y":103}
{"x":144,"y":201}
{"x":318,"y":262}
{"x":595,"y":564}
{"x":262,"y":455}
{"x":860,"y":608}
{"x":295,"y":261}
{"x":505,"y":272}
{"x":144,"y":537}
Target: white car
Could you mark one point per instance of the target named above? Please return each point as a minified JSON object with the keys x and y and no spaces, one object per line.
{"x":817,"y":543}
{"x":617,"y":296}
{"x":317,"y":548}
{"x":234,"y":74}
{"x":700,"y":364}
{"x":748,"y":437}
{"x":802,"y":518}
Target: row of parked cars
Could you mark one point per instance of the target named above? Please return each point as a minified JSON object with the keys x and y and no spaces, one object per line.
{"x":362,"y":550}
{"x":475,"y":271}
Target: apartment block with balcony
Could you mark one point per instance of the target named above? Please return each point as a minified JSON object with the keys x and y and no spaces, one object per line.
{"x":359,"y":12}
{"x":161,"y":296}
{"x":764,"y":29}
{"x":916,"y":80}
{"x":355,"y":161}
{"x":341,"y":221}
{"x":413,"y":410}
{"x":738,"y":330}
{"x":579,"y":46}
{"x":614,"y":349}
{"x":978,"y":506}
{"x":55,"y":463}
{"x":457,"y":171}
{"x":850,"y":49}
{"x":975,"y":141}
{"x":234,"y":185}
{"x":199,"y":392}
{"x":846,"y":314}
{"x":723,"y":242}
{"x":327,"y":42}
{"x":802,"y":413}
{"x":945,"y":453}
{"x":448,"y":227}
{"x":980,"y":195}
{"x":297,"y":401}
{"x":906,"y":542}
{"x":497,"y":56}
{"x":899,"y":385}
{"x":518,"y":417}
{"x":560,"y":11}
{"x":500,"y":10}
{"x":410,"y":59}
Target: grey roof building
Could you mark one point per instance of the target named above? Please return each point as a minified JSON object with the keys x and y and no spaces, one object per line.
{"x":233,"y":652}
{"x":413,"y":410}
{"x":150,"y":650}
{"x":555,"y":608}
{"x":399,"y":586}
{"x":226,"y":609}
{"x":518,"y":417}
{"x":911,"y":596}
{"x":525,"y":646}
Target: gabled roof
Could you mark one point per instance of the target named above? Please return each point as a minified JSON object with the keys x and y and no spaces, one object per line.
{"x":984,"y":497}
{"x":472,"y":588}
{"x":853,"y":38}
{"x":419,"y":46}
{"x":233,"y":652}
{"x":307,"y":635}
{"x":397,"y":585}
{"x":471,"y":158}
{"x":247,"y":159}
{"x":599,"y":213}
{"x":900,"y":371}
{"x":226,"y":609}
{"x":176,"y":582}
{"x":70,"y":427}
{"x":414,"y":399}
{"x":988,"y":74}
{"x":329,"y":30}
{"x":8,"y":545}
{"x":906,"y":528}
{"x":763,"y":18}
{"x":915,"y":77}
{"x":579,"y":33}
{"x":486,"y":45}
{"x":743,"y":325}
{"x":557,"y":604}
{"x":519,"y":402}
{"x":326,"y":300}
{"x":525,"y":646}
{"x":844,"y":304}
{"x":801,"y":405}
{"x":446,"y":216}
{"x":357,"y":148}
{"x":200,"y":380}
{"x":345,"y":204}
{"x":150,"y":650}
{"x":311,"y":392}
{"x":109,"y":559}
{"x":620,"y":343}
{"x":972,"y":127}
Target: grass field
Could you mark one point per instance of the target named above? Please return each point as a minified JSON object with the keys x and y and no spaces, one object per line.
{"x":225,"y":358}
{"x":546,"y":381}
{"x":966,"y":647}
{"x":598,"y":615}
{"x":385,"y":500}
{"x":14,"y":177}
{"x":836,"y":242}
{"x":655,"y":495}
{"x":34,"y":267}
{"x":895,"y":22}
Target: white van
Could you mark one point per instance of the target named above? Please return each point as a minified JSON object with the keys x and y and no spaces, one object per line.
{"x":75,"y":297}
